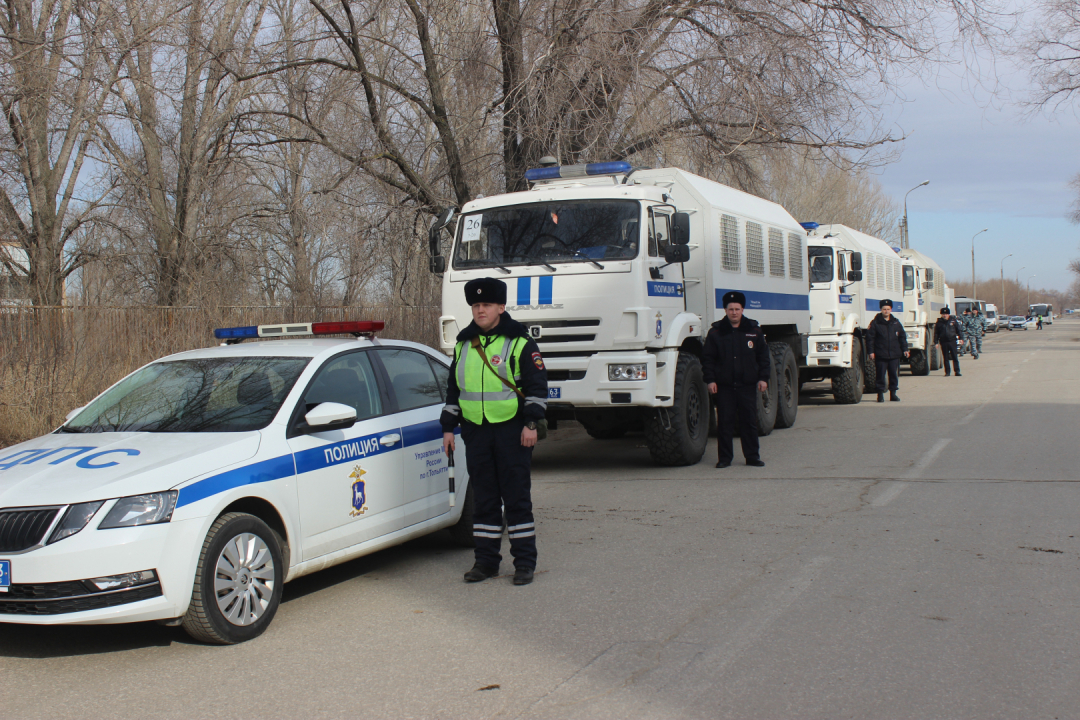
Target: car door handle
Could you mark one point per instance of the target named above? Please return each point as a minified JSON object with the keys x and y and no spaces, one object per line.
{"x":389,"y":440}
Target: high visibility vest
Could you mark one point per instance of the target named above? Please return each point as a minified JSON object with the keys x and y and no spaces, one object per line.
{"x":483,"y":396}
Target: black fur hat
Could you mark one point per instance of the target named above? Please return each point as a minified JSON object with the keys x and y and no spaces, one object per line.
{"x":487,"y":290}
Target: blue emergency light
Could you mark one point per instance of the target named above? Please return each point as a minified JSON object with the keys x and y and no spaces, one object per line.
{"x":561,"y":172}
{"x":352,"y":327}
{"x":808,"y":226}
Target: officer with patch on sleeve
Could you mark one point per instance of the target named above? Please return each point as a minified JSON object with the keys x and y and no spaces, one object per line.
{"x":735,"y":365}
{"x":886,"y":341}
{"x":498,"y":393}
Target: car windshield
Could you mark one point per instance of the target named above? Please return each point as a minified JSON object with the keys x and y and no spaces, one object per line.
{"x":231,"y":394}
{"x":821,"y":264}
{"x":563,"y":232}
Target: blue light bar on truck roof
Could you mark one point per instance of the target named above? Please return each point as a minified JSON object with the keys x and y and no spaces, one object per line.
{"x":560,"y":172}
{"x":354,"y":327}
{"x":810,"y":226}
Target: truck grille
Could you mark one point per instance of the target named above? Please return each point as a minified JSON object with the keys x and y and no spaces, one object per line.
{"x":23,"y":529}
{"x":563,"y":375}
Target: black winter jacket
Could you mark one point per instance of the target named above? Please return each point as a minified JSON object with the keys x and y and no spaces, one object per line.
{"x":736,"y":357}
{"x":533,"y":382}
{"x":947,"y":331}
{"x":886,"y":339}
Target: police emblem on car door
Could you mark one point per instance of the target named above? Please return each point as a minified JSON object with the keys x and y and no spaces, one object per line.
{"x":337,"y":469}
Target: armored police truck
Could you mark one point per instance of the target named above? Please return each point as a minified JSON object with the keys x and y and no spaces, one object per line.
{"x":850,"y":273}
{"x":618,"y":273}
{"x":924,"y":296}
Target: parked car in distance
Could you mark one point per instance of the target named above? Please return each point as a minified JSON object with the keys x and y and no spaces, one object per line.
{"x":1019,"y":322}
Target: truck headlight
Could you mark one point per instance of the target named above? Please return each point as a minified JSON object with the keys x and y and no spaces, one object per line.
{"x":140,"y":510}
{"x":913,"y":335}
{"x":828,"y":347}
{"x":627,"y":372}
{"x":74,"y":520}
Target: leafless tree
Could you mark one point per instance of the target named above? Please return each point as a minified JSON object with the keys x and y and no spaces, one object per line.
{"x":1052,"y":45}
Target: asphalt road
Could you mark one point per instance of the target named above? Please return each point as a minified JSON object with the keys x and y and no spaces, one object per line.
{"x":912,"y":559}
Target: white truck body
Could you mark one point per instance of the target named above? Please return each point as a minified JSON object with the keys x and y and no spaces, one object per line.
{"x":843,"y":302}
{"x":992,"y":323}
{"x":599,"y":294}
{"x":923,"y":301}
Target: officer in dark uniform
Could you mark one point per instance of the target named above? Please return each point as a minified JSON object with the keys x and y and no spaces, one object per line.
{"x":498,"y":426}
{"x":947,"y":333}
{"x":736,"y":368}
{"x":886,"y":341}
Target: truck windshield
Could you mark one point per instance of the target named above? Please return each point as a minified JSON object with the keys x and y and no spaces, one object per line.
{"x":232,"y":394}
{"x":564,"y":232}
{"x":909,"y":278}
{"x":821,"y":264}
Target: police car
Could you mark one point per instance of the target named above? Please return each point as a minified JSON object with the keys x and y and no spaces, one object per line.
{"x":193,"y":489}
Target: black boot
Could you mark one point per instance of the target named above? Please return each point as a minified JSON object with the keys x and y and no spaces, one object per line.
{"x":479,"y":572}
{"x":881,"y":397}
{"x":523,"y":576}
{"x":893,"y":397}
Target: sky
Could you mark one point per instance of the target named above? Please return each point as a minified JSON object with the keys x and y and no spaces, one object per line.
{"x":991,"y":164}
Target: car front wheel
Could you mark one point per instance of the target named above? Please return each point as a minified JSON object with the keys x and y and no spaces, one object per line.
{"x":238,"y":581}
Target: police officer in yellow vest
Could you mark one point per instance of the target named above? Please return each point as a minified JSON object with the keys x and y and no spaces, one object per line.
{"x":498,"y":426}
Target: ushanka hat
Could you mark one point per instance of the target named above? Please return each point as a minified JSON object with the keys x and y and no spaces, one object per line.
{"x":734,"y":296}
{"x":485,"y":290}
{"x":883,"y":303}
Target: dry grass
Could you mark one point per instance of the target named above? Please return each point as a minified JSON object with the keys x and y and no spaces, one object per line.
{"x":55,"y":359}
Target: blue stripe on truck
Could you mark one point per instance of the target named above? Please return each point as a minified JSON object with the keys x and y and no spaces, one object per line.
{"x":767,"y":300}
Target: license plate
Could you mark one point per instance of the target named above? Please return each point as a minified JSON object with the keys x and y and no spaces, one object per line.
{"x":554,"y":393}
{"x":5,"y":575}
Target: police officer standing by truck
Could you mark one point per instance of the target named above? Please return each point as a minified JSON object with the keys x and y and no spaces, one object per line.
{"x":886,"y":341}
{"x":497,"y":391}
{"x":948,"y":333}
{"x":736,"y":368}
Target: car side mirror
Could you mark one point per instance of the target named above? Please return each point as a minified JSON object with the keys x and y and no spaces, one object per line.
{"x":676,"y":254}
{"x":856,"y":261}
{"x":438,"y":264}
{"x":329,"y":416}
{"x":854,"y":275}
{"x":73,"y":413}
{"x":680,"y":230}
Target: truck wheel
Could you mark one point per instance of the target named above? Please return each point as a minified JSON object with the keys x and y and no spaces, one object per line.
{"x":919,"y":363}
{"x":847,"y":387}
{"x":787,"y":379}
{"x":677,"y":435}
{"x":869,"y":372}
{"x":767,"y":404}
{"x":238,"y":581}
{"x":935,"y":358}
{"x":462,"y":531}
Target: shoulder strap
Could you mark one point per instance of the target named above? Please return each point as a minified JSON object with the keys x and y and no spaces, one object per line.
{"x":483,"y":356}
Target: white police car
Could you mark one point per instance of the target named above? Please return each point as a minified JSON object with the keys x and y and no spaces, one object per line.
{"x":195,"y":487}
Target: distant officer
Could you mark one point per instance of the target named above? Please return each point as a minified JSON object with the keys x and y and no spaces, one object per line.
{"x":969,"y":332}
{"x":498,"y":425}
{"x":736,"y":368}
{"x":979,"y":323}
{"x":886,"y":341}
{"x":947,"y":335}
{"x":1038,"y":323}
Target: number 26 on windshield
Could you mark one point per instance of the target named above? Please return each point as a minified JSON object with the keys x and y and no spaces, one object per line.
{"x":472,"y":227}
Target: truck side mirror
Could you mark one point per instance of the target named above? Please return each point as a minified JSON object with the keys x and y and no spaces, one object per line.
{"x":441,"y":221}
{"x":676,"y":254}
{"x":438,"y":264}
{"x":680,"y":230}
{"x":854,"y":275}
{"x":856,"y":261}
{"x":928,"y":286}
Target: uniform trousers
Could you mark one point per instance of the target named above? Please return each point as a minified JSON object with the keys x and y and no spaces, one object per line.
{"x":948,"y":350}
{"x":737,"y":404}
{"x":892,"y":367}
{"x":499,"y":469}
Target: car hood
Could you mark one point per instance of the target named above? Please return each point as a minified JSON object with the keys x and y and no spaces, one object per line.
{"x":67,"y":468}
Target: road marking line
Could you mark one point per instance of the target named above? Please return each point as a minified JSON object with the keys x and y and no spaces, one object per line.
{"x":915,"y":471}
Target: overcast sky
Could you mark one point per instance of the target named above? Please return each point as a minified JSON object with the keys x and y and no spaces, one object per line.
{"x":992,"y":166}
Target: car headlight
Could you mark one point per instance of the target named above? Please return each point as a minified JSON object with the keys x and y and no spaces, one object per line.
{"x":140,"y":510}
{"x":74,"y":520}
{"x":627,"y":372}
{"x":828,"y":347}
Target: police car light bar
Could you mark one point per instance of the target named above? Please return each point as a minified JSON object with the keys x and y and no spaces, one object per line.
{"x":572,"y":171}
{"x":355,"y":327}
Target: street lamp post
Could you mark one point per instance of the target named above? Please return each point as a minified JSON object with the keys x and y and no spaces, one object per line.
{"x":1029,"y":290}
{"x":904,"y":235}
{"x":1003,"y":284}
{"x":974,"y":294}
{"x":1018,"y":278}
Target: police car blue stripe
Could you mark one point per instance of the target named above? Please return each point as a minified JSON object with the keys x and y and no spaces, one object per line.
{"x":341,"y":452}
{"x":524,"y":290}
{"x":260,"y":472}
{"x":767,"y":300}
{"x":421,"y":433}
{"x":546,"y":283}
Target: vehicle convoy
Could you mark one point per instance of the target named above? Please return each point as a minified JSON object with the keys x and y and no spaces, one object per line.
{"x":850,"y":274}
{"x":618,"y":273}
{"x":925,"y":293}
{"x":193,"y":489}
{"x":1044,"y":309}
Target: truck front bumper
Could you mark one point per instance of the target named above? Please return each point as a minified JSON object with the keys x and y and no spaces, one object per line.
{"x":583,"y":381}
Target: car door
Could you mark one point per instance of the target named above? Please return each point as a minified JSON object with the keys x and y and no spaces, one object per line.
{"x":417,"y":384}
{"x":348,"y":481}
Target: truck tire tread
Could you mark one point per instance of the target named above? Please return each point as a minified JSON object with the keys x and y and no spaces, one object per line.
{"x":680,"y":444}
{"x":848,"y":386}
